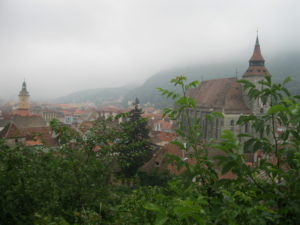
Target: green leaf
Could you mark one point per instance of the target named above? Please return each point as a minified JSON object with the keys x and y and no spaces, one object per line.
{"x":286,"y":80}
{"x":160,"y":220}
{"x":277,"y":108}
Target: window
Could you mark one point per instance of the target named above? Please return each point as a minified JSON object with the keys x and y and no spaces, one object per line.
{"x":261,"y":110}
{"x":232,"y":122}
{"x":246,"y":128}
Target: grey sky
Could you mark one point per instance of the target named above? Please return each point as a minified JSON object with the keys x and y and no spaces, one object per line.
{"x":61,"y":46}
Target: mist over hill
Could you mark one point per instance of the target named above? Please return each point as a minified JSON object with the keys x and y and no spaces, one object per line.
{"x":279,"y":66}
{"x":99,"y":96}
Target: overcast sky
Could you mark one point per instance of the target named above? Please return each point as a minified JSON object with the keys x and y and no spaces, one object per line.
{"x":61,"y":46}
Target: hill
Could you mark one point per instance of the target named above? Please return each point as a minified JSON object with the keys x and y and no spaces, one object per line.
{"x":279,"y":66}
{"x":99,"y":96}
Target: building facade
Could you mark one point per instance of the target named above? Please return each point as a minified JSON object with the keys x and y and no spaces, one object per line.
{"x":226,"y":95}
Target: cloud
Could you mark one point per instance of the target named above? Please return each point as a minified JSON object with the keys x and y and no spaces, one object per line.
{"x":62,"y":46}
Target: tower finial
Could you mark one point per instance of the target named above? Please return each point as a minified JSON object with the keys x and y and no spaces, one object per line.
{"x":257,"y":41}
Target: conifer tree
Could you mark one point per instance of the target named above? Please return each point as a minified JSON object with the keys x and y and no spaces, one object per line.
{"x":134,"y":147}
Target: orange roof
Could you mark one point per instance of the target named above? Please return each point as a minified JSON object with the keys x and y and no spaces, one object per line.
{"x":34,"y":142}
{"x":22,"y":112}
{"x":33,"y":135}
{"x":152,"y":115}
{"x":67,"y":113}
{"x":110,"y":108}
{"x":80,"y":112}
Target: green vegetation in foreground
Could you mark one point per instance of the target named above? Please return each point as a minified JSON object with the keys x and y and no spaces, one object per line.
{"x":75,"y":184}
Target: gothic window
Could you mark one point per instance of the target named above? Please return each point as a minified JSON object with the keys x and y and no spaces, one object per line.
{"x":217,"y":127}
{"x":204,"y":122}
{"x":246,"y":128}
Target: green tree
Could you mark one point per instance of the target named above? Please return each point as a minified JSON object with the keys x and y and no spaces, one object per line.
{"x":266,"y":193}
{"x":65,"y":184}
{"x":133,"y":147}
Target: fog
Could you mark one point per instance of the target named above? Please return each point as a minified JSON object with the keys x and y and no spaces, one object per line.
{"x":61,"y":46}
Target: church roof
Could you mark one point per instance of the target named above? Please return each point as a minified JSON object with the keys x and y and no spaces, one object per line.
{"x":28,"y":121}
{"x":222,"y":94}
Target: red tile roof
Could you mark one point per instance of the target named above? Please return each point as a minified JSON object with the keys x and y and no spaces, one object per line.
{"x":161,"y":136}
{"x":33,"y":135}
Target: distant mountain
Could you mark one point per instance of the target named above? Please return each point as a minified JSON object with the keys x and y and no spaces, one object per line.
{"x":99,"y":96}
{"x":279,"y":66}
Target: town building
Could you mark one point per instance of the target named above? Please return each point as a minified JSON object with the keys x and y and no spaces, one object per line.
{"x":24,"y":127}
{"x":227,"y":96}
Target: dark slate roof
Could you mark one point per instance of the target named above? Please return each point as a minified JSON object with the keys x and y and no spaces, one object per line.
{"x":3,"y":123}
{"x":225,"y":94}
{"x":28,"y":121}
{"x":5,"y":130}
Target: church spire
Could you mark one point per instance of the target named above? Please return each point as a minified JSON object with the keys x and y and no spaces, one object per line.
{"x":256,"y":63}
{"x":257,"y":56}
{"x":24,"y":91}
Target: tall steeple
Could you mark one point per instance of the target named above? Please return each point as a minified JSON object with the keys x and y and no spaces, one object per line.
{"x":256,"y":63}
{"x":23,"y":108}
{"x":255,"y":73}
{"x":24,"y":91}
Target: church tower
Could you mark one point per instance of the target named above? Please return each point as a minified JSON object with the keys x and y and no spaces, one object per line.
{"x":23,"y":108}
{"x":255,"y":73}
{"x":256,"y":69}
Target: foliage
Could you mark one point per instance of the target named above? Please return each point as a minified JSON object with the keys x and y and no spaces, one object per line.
{"x":72,"y":184}
{"x":133,"y":147}
{"x":56,"y":184}
{"x":266,"y":193}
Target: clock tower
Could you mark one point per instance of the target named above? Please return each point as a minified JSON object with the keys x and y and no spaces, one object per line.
{"x":23,"y":108}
